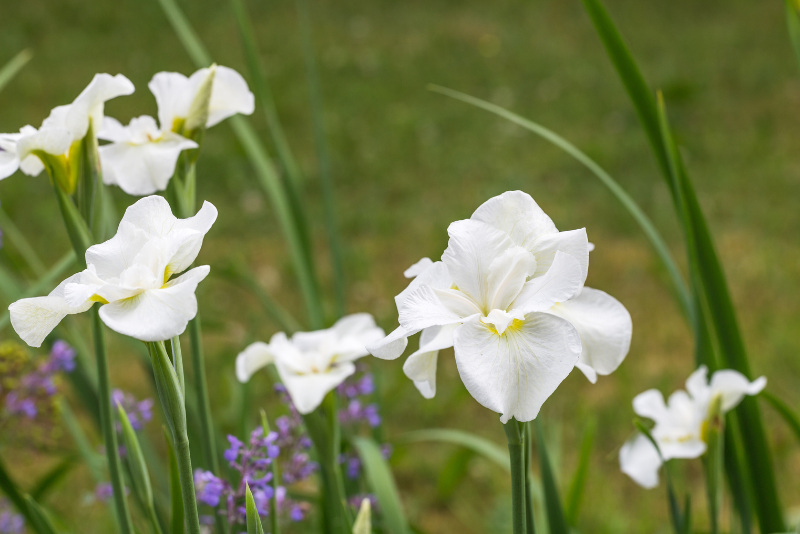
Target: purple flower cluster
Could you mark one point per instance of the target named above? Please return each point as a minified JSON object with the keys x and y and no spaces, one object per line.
{"x":139,"y":412}
{"x":10,"y":522}
{"x":254,"y":463}
{"x":31,"y":390}
{"x":294,"y":442}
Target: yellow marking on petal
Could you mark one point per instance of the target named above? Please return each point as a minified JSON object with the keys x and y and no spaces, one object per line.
{"x":98,"y":298}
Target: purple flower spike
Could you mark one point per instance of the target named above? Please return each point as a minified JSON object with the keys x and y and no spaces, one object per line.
{"x":209,"y":488}
{"x":233,"y":453}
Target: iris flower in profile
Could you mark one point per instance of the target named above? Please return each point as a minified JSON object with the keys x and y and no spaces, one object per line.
{"x":132,"y":276}
{"x":680,"y":422}
{"x":311,"y":364}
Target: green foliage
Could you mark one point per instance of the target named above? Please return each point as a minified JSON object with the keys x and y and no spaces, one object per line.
{"x":482,"y":446}
{"x":39,"y":519}
{"x":10,"y":69}
{"x":555,"y":512}
{"x":53,"y":477}
{"x":253,"y":520}
{"x":785,"y":411}
{"x":578,"y":484}
{"x":175,"y":493}
{"x":381,"y":481}
{"x":792,"y":22}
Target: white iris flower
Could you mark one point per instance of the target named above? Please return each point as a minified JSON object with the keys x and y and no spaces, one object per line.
{"x":131,"y":275}
{"x":681,"y":421}
{"x":311,"y":364}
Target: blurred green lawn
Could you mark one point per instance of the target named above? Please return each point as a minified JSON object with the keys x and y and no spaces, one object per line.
{"x":407,"y":162}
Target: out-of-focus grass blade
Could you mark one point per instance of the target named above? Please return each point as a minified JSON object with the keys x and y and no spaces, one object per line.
{"x":793,"y":23}
{"x":14,"y":495}
{"x":10,"y":69}
{"x":736,"y":479}
{"x":239,"y":273}
{"x":40,"y":521}
{"x":708,"y":279}
{"x":481,"y":446}
{"x":555,"y":513}
{"x":140,"y":478}
{"x":381,"y":480}
{"x":576,"y":487}
{"x":789,"y":416}
{"x":253,"y":520}
{"x":621,"y":195}
{"x":175,"y":494}
{"x":94,"y":461}
{"x":9,"y":286}
{"x":266,"y":173}
{"x":267,"y":104}
{"x":50,"y":479}
{"x":321,"y":145}
{"x":453,"y":472}
{"x":18,"y":240}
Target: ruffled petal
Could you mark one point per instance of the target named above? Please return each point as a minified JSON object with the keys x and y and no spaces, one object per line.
{"x":229,"y":96}
{"x":518,"y":215}
{"x":733,"y":386}
{"x":572,"y":242}
{"x":421,"y":365}
{"x":55,"y":141}
{"x":561,"y":282}
{"x":90,"y":103}
{"x":156,"y":314}
{"x":308,"y":390}
{"x":392,"y":346}
{"x":417,"y":268}
{"x":112,"y":257}
{"x":173,"y":97}
{"x":604,"y":325}
{"x":514,"y":373}
{"x":639,"y":459}
{"x":255,"y":357}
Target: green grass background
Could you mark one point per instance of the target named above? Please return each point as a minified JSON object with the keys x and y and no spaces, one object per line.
{"x":406,"y":162}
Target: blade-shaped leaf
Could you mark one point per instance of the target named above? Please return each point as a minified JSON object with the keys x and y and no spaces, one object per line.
{"x":140,"y":478}
{"x":578,"y":483}
{"x":482,"y":446}
{"x":175,"y":493}
{"x":51,"y":479}
{"x":8,"y":487}
{"x":253,"y":520}
{"x":10,"y":69}
{"x":784,"y":410}
{"x":793,"y":23}
{"x":381,"y":481}
{"x":555,"y":513}
{"x":40,"y":521}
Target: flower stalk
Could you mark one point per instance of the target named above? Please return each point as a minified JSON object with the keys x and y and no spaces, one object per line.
{"x":516,"y":452}
{"x":714,"y":461}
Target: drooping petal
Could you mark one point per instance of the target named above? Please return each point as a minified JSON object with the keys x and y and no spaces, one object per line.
{"x":308,"y":390}
{"x":588,"y":371}
{"x":604,"y":325}
{"x":518,"y":215}
{"x":423,"y":309}
{"x":733,"y":386}
{"x":9,"y":163}
{"x":687,"y":448}
{"x":255,"y":357}
{"x":435,"y":275}
{"x":113,"y":130}
{"x":514,"y":373}
{"x":650,"y":404}
{"x":229,"y":96}
{"x":143,"y":169}
{"x":507,"y":275}
{"x":639,"y":459}
{"x":173,"y":96}
{"x":417,"y":268}
{"x":34,"y":318}
{"x":90,"y":103}
{"x":421,"y":365}
{"x":53,"y":141}
{"x":157,"y":314}
{"x":572,"y":242}
{"x":561,"y":282}
{"x":472,"y":248}
{"x":392,"y":346}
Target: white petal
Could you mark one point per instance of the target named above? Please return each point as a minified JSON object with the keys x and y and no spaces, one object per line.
{"x":733,"y":386}
{"x":573,"y":242}
{"x":355,"y":324}
{"x":354,"y":332}
{"x":308,"y":390}
{"x":588,"y":371}
{"x":604,"y":325}
{"x":34,"y":318}
{"x":112,"y":257}
{"x":436,"y":276}
{"x":392,"y":346}
{"x":421,"y":365}
{"x":423,"y":309}
{"x":687,"y":448}
{"x":472,"y":248}
{"x":173,"y":96}
{"x":559,"y":284}
{"x":156,"y":314}
{"x":9,"y":163}
{"x":650,"y":404}
{"x":457,"y":302}
{"x":697,"y":385}
{"x":514,"y":373}
{"x":518,"y":215}
{"x":143,"y":169}
{"x":639,"y":459}
{"x":53,"y":141}
{"x":417,"y":268}
{"x":256,"y":356}
{"x":90,"y":103}
{"x":113,"y":130}
{"x":507,"y":275}
{"x":229,"y":96}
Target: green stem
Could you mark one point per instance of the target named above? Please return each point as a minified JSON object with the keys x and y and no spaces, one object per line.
{"x":517,"y":456}
{"x":201,"y":387}
{"x":528,"y":451}
{"x":177,"y":361}
{"x":107,"y":423}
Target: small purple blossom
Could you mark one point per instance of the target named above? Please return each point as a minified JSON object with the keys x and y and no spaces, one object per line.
{"x":232,"y":453}
{"x":62,"y":356}
{"x":209,"y":488}
{"x":10,"y":522}
{"x":138,"y":412}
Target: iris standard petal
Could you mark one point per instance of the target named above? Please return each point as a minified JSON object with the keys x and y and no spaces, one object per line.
{"x":518,"y":215}
{"x":173,"y":97}
{"x":308,"y":390}
{"x":90,"y":103}
{"x":417,"y":268}
{"x":559,"y":284}
{"x":572,"y":242}
{"x":733,"y":386}
{"x":255,"y":357}
{"x":229,"y":96}
{"x":639,"y":459}
{"x":604,"y":325}
{"x":650,"y":404}
{"x":514,"y":373}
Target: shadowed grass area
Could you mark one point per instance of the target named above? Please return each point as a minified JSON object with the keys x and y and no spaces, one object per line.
{"x":406,"y":162}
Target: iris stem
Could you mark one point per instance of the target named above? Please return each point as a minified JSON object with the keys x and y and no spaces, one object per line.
{"x":514,"y":435}
{"x":107,"y":423}
{"x":528,"y":451}
{"x":201,"y":387}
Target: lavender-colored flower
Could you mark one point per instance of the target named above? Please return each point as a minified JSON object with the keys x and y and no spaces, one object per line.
{"x":138,"y":412}
{"x":62,"y":356}
{"x":232,"y":453}
{"x":208,"y":487}
{"x":10,"y":522}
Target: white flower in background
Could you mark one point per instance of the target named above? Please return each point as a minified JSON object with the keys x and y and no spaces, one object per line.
{"x":175,"y":94}
{"x":66,"y":126}
{"x":131,"y":275}
{"x":680,"y":423}
{"x":311,"y":364}
{"x":141,"y":158}
{"x":503,"y":270}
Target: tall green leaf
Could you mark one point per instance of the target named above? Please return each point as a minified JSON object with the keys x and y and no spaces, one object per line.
{"x":576,"y":487}
{"x":8,"y":487}
{"x":18,"y":240}
{"x":40,"y":521}
{"x":708,"y":278}
{"x":793,"y":24}
{"x":266,"y":174}
{"x":175,"y":492}
{"x":381,"y":481}
{"x":253,"y":520}
{"x":10,"y":69}
{"x":479,"y":445}
{"x":784,"y":410}
{"x":630,"y":205}
{"x":140,"y":478}
{"x":49,"y":480}
{"x":555,"y":513}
